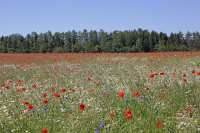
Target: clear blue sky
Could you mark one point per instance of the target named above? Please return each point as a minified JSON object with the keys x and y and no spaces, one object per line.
{"x":25,"y":16}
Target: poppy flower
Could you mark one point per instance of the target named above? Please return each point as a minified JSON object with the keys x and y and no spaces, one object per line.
{"x":136,"y":94}
{"x":25,"y":103}
{"x":159,"y":124}
{"x":30,"y":107}
{"x":152,"y":75}
{"x":198,"y":73}
{"x":121,"y":93}
{"x":44,"y":130}
{"x":34,"y":86}
{"x":56,"y":95}
{"x":193,"y":72}
{"x":81,"y":106}
{"x":62,"y":90}
{"x":44,"y":95}
{"x":45,"y":101}
{"x":19,"y":89}
{"x":162,"y":73}
{"x":19,"y":82}
{"x":127,"y":114}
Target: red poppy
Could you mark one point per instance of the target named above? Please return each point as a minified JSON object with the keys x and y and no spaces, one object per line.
{"x":30,"y":107}
{"x":25,"y":103}
{"x":121,"y":93}
{"x":193,"y":72}
{"x":34,"y":86}
{"x":151,"y":75}
{"x":62,"y":90}
{"x":81,"y":106}
{"x":162,"y":73}
{"x":23,"y":89}
{"x":56,"y":95}
{"x":45,"y":101}
{"x":44,"y":94}
{"x":127,"y":114}
{"x":136,"y":94}
{"x":19,"y":82}
{"x":44,"y":130}
{"x":198,"y":73}
{"x":18,"y":89}
{"x":159,"y":124}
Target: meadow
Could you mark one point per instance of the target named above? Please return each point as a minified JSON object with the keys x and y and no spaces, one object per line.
{"x":100,"y":93}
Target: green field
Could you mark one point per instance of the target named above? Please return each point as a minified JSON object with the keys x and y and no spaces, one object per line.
{"x":117,"y":94}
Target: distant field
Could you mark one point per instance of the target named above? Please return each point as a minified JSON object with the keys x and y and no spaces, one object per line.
{"x":100,"y":93}
{"x":39,"y":58}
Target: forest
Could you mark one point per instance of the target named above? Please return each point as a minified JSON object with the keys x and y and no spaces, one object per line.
{"x":138,"y":40}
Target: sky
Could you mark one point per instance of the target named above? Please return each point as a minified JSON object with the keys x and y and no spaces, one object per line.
{"x":25,"y":16}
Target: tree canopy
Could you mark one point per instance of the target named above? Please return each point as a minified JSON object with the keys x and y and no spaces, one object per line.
{"x":100,"y":41}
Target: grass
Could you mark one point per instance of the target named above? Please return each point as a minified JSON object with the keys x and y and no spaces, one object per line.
{"x":166,"y":103}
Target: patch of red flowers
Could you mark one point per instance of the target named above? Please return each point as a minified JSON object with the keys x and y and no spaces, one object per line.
{"x":44,"y":130}
{"x":135,"y":93}
{"x":45,"y":101}
{"x":56,"y":95}
{"x":34,"y":86}
{"x":19,"y":89}
{"x":62,"y":90}
{"x":25,"y":103}
{"x":30,"y":107}
{"x":162,"y":73}
{"x":19,"y":82}
{"x":198,"y":73}
{"x":121,"y":93}
{"x":44,"y":95}
{"x":193,"y":72}
{"x":127,"y":114}
{"x":152,"y":75}
{"x":159,"y":124}
{"x":81,"y":106}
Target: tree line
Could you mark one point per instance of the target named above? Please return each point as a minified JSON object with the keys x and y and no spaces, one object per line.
{"x":100,"y":41}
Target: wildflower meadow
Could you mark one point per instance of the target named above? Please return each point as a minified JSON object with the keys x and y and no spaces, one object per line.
{"x":100,"y":93}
